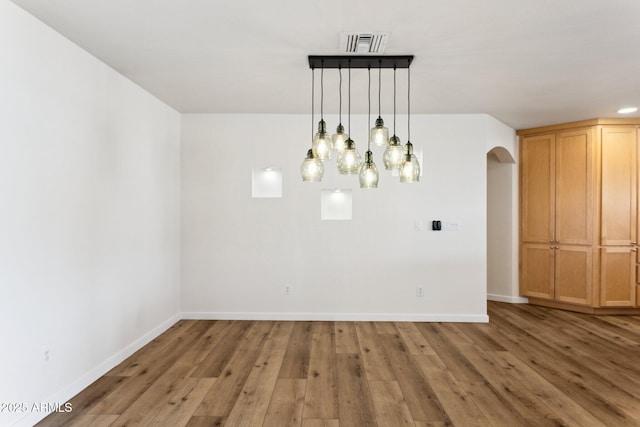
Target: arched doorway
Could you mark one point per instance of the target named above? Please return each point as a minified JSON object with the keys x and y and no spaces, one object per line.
{"x":502,"y":226}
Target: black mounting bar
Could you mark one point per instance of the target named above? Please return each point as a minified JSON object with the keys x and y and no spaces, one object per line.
{"x":360,"y":61}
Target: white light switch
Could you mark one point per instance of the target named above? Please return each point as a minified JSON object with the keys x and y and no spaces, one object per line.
{"x":450,"y":226}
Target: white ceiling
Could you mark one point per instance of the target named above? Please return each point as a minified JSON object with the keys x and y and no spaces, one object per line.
{"x":525,"y":62}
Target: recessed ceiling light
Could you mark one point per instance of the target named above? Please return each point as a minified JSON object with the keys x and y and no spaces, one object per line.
{"x":627,"y":110}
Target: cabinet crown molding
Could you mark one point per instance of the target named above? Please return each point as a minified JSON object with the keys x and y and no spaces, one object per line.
{"x":578,"y":124}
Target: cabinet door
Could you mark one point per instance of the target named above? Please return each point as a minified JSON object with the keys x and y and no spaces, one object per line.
{"x":574,"y":186}
{"x":537,"y":188}
{"x":637,"y":199}
{"x":617,"y":282}
{"x":637,"y":256}
{"x":536,"y":270}
{"x":618,"y":222}
{"x":573,"y":274}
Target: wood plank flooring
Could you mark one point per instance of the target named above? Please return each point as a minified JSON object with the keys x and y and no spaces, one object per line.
{"x":529,"y":366}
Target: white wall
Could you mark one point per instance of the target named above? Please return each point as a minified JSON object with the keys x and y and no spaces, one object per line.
{"x":90,"y":191}
{"x":502,"y":213}
{"x":89,"y":215}
{"x":501,"y":135}
{"x":239,"y":252}
{"x":499,"y":229}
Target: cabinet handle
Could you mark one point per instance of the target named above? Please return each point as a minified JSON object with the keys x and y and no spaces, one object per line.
{"x":634,"y":243}
{"x":634,"y":250}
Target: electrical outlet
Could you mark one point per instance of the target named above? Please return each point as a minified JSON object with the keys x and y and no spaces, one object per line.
{"x":287,"y":289}
{"x":46,"y":354}
{"x":419,"y":291}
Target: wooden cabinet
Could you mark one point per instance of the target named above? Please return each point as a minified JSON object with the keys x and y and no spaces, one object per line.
{"x":619,"y":164}
{"x":537,"y":270}
{"x":573,"y":274}
{"x":557,"y":182}
{"x":561,"y":273}
{"x":618,"y":233}
{"x":575,"y":165}
{"x":637,"y":228}
{"x":537,"y":188}
{"x":617,"y":282}
{"x":557,"y":207}
{"x":579,"y":219}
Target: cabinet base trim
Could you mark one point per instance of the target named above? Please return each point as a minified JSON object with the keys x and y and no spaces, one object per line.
{"x":584,"y":309}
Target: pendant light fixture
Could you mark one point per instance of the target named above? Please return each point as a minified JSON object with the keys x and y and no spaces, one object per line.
{"x":349,"y":160}
{"x":338,"y":139}
{"x":410,"y":170}
{"x":379,"y":133}
{"x":394,"y":156}
{"x":311,"y":169}
{"x":322,"y":145}
{"x":368,"y":171}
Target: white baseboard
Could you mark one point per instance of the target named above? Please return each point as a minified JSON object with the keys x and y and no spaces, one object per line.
{"x":507,"y":298}
{"x":350,"y":317}
{"x":88,"y":378}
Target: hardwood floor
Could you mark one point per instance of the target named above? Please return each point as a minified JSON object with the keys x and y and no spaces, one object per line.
{"x":530,"y":366}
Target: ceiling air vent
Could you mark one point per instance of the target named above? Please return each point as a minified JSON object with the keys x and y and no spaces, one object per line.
{"x":364,"y":43}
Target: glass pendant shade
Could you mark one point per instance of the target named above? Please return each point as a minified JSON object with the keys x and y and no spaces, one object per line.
{"x":379,"y":133}
{"x":339,"y":138}
{"x":349,"y":160}
{"x":322,"y":146}
{"x":410,"y":170}
{"x":394,"y":154}
{"x":368,"y":172}
{"x":311,"y":168}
